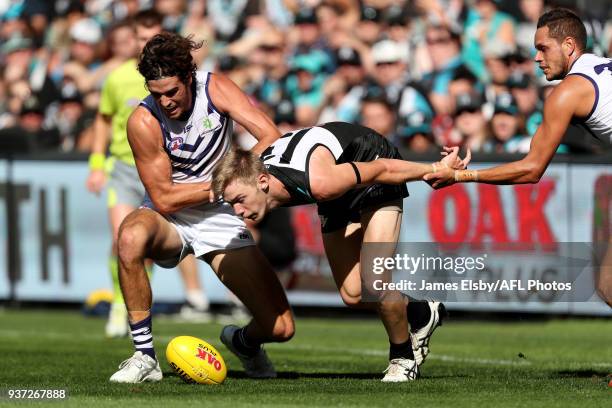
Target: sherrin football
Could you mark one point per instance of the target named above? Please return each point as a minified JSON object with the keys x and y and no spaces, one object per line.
{"x":196,"y":361}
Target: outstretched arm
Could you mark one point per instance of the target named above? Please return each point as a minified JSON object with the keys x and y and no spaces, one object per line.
{"x":155,"y":169}
{"x":574,"y":97}
{"x":329,"y":180}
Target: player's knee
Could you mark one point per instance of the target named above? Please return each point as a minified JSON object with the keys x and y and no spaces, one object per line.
{"x":350,"y":298}
{"x":284,"y":329}
{"x":391,"y":306}
{"x":132,"y":241}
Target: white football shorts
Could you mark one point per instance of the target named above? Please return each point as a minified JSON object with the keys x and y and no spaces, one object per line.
{"x":205,"y":228}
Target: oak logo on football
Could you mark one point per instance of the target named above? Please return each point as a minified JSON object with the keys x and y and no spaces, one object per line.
{"x":207,"y":355}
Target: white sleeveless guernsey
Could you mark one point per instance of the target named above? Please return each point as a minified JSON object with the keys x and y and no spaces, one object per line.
{"x":196,"y":144}
{"x":194,"y":147}
{"x":598,"y":71}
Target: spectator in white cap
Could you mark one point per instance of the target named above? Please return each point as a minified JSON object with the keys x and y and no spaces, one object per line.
{"x":390,"y":60}
{"x":85,"y":32}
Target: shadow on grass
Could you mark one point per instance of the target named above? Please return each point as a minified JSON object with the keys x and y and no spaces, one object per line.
{"x":292,"y":375}
{"x":581,"y":373}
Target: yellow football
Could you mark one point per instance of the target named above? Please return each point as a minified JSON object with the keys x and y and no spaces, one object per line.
{"x":196,"y":361}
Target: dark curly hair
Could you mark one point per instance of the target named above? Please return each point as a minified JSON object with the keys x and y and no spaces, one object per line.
{"x":168,"y":55}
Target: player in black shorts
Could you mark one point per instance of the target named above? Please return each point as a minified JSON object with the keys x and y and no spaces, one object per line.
{"x":358,"y":179}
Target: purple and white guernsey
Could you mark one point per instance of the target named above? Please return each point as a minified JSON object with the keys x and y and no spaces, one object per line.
{"x":598,"y":70}
{"x":196,"y":144}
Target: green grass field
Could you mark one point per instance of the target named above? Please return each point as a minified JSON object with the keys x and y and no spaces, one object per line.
{"x":330,"y":362}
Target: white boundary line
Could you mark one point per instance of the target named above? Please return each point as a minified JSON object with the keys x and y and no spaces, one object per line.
{"x":375,"y":352}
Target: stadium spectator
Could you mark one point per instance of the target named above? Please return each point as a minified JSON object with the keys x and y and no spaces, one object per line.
{"x":525,"y":93}
{"x":378,"y":113}
{"x":174,"y":12}
{"x":470,"y":121}
{"x":37,"y":14}
{"x":305,"y":88}
{"x":337,"y":15}
{"x":497,"y":60}
{"x":531,"y":10}
{"x":198,"y":25}
{"x":6,"y":119}
{"x":232,"y":66}
{"x":343,"y":91}
{"x":506,"y":127}
{"x":369,"y":29}
{"x":122,"y":9}
{"x":415,"y":133}
{"x":390,"y":60}
{"x":398,"y":24}
{"x":462,"y":82}
{"x":443,"y":12}
{"x":271,"y":88}
{"x":72,"y":120}
{"x":18,"y":51}
{"x":29,"y":134}
{"x":308,"y":33}
{"x":444,"y":48}
{"x":485,"y":23}
{"x":227,"y":18}
{"x":85,"y":66}
{"x":284,"y":116}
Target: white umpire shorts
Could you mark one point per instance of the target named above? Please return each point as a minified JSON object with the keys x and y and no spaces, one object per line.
{"x":205,"y":228}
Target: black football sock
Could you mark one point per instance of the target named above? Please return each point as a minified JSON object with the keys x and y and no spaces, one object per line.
{"x":243,"y":344}
{"x":419,"y":313}
{"x":403,"y":350}
{"x":142,"y":336}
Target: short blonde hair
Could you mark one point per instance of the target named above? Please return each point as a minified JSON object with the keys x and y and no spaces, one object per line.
{"x":237,"y":164}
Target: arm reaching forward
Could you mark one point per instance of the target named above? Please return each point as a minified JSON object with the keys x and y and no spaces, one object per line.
{"x":347,"y":176}
{"x":575,"y":96}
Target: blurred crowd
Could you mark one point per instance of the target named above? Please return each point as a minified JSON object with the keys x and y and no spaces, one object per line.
{"x":423,"y":73}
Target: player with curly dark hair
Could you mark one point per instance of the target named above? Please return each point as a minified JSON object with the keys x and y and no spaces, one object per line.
{"x":178,"y":134}
{"x":122,"y":91}
{"x":168,"y":55}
